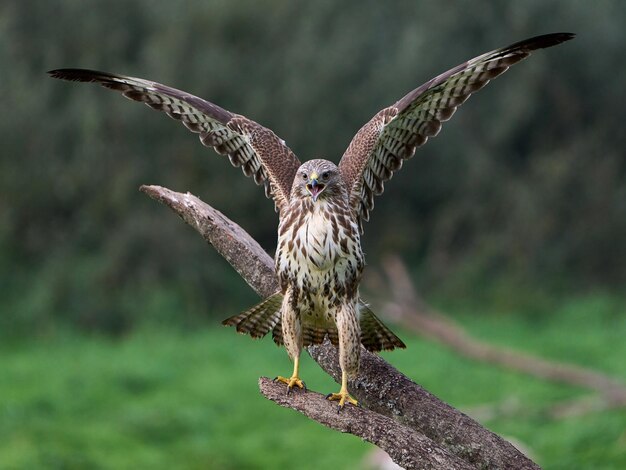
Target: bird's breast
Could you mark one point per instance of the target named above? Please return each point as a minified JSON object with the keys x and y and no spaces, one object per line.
{"x":319,"y":248}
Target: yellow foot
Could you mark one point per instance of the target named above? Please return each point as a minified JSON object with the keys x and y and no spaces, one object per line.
{"x":291,"y":382}
{"x":343,"y":397}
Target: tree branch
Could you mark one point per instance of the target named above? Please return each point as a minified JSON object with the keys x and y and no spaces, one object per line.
{"x":405,"y":446}
{"x":241,"y":251}
{"x":410,"y":310}
{"x":380,"y":387}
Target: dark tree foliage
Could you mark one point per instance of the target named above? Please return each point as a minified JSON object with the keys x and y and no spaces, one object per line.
{"x":527,"y":182}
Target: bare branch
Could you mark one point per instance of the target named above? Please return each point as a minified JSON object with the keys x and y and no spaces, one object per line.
{"x":383,"y":389}
{"x":380,"y":387}
{"x":405,"y":446}
{"x":242,"y":251}
{"x":412,"y":312}
{"x":513,"y":408}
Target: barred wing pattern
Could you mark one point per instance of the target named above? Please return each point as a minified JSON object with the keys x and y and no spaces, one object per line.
{"x":392,"y":136}
{"x":257,"y":150}
{"x":375,"y":336}
{"x":260,"y":319}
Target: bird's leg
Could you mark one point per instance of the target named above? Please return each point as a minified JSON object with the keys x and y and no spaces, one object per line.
{"x":292,"y":337}
{"x":349,"y":333}
{"x":343,"y":396}
{"x":294,"y":380}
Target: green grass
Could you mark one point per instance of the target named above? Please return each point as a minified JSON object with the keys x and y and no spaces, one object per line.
{"x":161,"y":399}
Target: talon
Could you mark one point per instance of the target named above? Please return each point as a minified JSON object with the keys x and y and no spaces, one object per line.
{"x":291,"y":382}
{"x":343,"y":396}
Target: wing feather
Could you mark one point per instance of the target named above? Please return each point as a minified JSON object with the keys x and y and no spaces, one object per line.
{"x":257,"y":150}
{"x":394,"y":133}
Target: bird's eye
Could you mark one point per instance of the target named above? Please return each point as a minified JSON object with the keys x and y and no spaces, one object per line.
{"x":325,"y":175}
{"x":305,"y":176}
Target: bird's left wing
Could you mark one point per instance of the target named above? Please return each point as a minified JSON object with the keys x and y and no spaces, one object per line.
{"x":392,"y":135}
{"x":257,"y":150}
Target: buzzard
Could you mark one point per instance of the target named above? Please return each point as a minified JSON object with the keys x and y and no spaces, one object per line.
{"x":322,"y":207}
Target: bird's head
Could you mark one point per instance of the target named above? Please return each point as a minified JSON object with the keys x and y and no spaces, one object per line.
{"x":317,"y":179}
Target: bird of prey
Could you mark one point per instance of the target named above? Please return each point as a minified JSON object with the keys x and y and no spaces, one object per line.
{"x":323,"y":206}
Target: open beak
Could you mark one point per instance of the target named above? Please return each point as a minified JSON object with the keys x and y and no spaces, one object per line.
{"x":315,"y":189}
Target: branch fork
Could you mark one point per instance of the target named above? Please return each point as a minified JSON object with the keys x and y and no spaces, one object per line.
{"x":413,"y":426}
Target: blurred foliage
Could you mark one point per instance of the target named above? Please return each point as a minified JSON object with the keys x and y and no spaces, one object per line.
{"x":527,"y":182}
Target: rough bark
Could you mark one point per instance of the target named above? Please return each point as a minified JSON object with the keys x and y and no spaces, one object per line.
{"x":241,"y":251}
{"x":383,"y":389}
{"x":405,"y":446}
{"x":380,"y":387}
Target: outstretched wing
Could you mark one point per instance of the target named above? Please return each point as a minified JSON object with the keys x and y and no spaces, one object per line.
{"x":391,"y":136}
{"x":256,"y":149}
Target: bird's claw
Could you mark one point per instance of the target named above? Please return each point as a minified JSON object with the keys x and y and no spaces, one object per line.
{"x":343,"y":397}
{"x":291,"y":382}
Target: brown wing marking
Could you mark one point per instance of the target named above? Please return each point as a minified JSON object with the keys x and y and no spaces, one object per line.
{"x":260,"y":319}
{"x":392,"y":135}
{"x":375,"y":336}
{"x":257,"y":150}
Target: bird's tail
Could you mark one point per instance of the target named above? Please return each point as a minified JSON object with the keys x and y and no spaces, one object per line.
{"x":260,"y":319}
{"x":375,"y":336}
{"x":265,"y":316}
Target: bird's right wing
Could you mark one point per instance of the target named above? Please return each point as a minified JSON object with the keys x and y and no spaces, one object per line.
{"x":383,"y":144}
{"x":257,"y":150}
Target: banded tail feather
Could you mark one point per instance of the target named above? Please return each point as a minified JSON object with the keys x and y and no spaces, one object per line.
{"x":265,"y":316}
{"x":260,"y":319}
{"x":311,"y":334}
{"x":375,"y":336}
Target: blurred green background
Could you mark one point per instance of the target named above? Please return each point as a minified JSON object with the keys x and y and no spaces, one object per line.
{"x":513,"y":221}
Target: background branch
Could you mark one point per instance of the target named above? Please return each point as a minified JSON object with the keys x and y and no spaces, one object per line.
{"x":380,"y":387}
{"x":410,"y":310}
